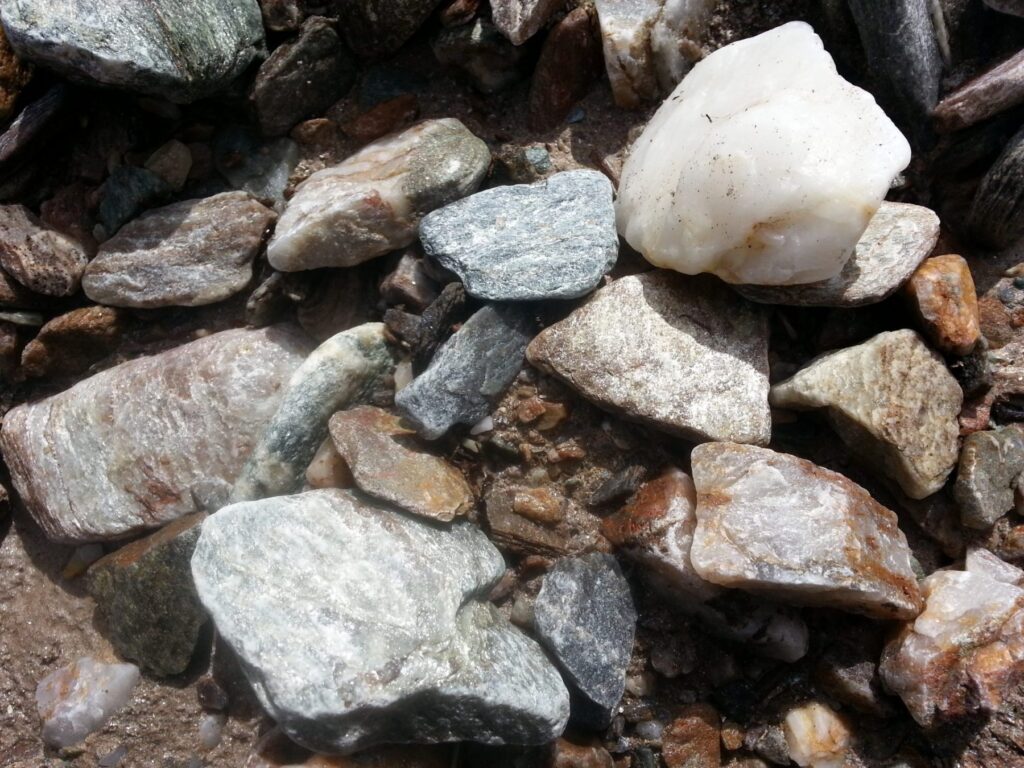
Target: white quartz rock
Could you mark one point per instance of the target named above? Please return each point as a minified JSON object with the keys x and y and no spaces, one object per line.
{"x":768,"y":178}
{"x":79,"y":698}
{"x":816,"y":736}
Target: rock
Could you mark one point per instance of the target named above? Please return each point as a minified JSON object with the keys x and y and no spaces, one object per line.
{"x":996,"y":217}
{"x":79,"y":698}
{"x":386,"y":464}
{"x":402,"y":647}
{"x":70,"y":211}
{"x":514,"y":531}
{"x":551,"y":240}
{"x":569,"y":63}
{"x":41,"y":259}
{"x":941,"y":293}
{"x":260,"y":168}
{"x":685,"y":356}
{"x":570,"y":754}
{"x":32,"y":125}
{"x":817,"y":736}
{"x":991,"y":463}
{"x":423,"y":334}
{"x":993,"y":91}
{"x":146,"y":600}
{"x":892,"y":400}
{"x":122,"y":451}
{"x":774,"y":524}
{"x":519,"y":20}
{"x":13,"y":295}
{"x":328,"y":469}
{"x":282,"y":15}
{"x":691,"y":740}
{"x":126,"y":193}
{"x":372,"y":203}
{"x":469,"y":372}
{"x":409,"y":284}
{"x":373,"y":28}
{"x":691,"y":197}
{"x":584,"y":614}
{"x":172,"y":162}
{"x":10,"y":345}
{"x":185,"y":254}
{"x":14,"y":76}
{"x":343,"y":371}
{"x":898,"y":238}
{"x":180,"y":50}
{"x":489,"y":61}
{"x":1013,"y":7}
{"x":381,"y":119}
{"x":301,"y":78}
{"x":71,"y":342}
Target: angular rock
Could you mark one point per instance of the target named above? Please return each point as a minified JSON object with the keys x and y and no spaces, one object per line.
{"x":345,"y":370}
{"x":372,"y":203}
{"x":816,"y":736}
{"x":569,"y":63}
{"x":122,"y":451}
{"x":942,"y":295}
{"x":515,"y":532}
{"x":519,"y":20}
{"x":71,"y":342}
{"x":469,"y":372}
{"x":359,"y":625}
{"x":991,"y":463}
{"x":993,"y":91}
{"x":180,"y":50}
{"x":79,"y":698}
{"x":692,"y":739}
{"x":260,"y":168}
{"x":386,"y":464}
{"x":423,"y":334}
{"x":41,"y":259}
{"x":996,"y":218}
{"x":897,"y":239}
{"x":409,"y":284}
{"x":127,"y":192}
{"x":185,"y":254}
{"x":381,"y":119}
{"x":146,"y":599}
{"x":484,"y":55}
{"x":584,"y":614}
{"x":551,"y":240}
{"x":376,"y":27}
{"x":892,"y":400}
{"x":683,"y":355}
{"x":775,"y":524}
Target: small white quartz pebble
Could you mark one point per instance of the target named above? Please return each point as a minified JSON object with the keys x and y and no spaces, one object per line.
{"x":764,"y":166}
{"x":78,"y":699}
{"x":816,"y":736}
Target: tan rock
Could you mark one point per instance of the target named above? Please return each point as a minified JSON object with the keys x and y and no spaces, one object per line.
{"x":692,"y":739}
{"x":942,"y":294}
{"x":817,"y":736}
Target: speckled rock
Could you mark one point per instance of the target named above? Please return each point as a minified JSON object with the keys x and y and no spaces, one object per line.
{"x":80,"y":698}
{"x":681,"y":354}
{"x":778,"y":525}
{"x":372,"y":202}
{"x":551,"y":240}
{"x":993,"y":91}
{"x":14,"y":76}
{"x":942,"y":294}
{"x":996,"y":218}
{"x":41,"y":259}
{"x":892,"y":400}
{"x":402,"y":647}
{"x":519,"y":20}
{"x":125,"y":450}
{"x":71,"y":342}
{"x":991,"y":463}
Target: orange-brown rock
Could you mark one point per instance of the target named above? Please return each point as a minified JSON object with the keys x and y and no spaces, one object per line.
{"x":383,"y":118}
{"x":942,"y":295}
{"x":14,"y":75}
{"x":71,"y":342}
{"x":693,"y":739}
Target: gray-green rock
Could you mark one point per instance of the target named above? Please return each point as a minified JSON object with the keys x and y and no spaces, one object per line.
{"x":990,"y":464}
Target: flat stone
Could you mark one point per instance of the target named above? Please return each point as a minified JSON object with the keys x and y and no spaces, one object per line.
{"x":180,"y":50}
{"x":519,"y":20}
{"x":185,"y":254}
{"x":990,"y":464}
{"x":41,"y":259}
{"x":892,"y":400}
{"x":71,"y":342}
{"x":80,"y":698}
{"x":554,"y":239}
{"x":146,"y":600}
{"x":484,"y":56}
{"x":993,"y":91}
{"x":122,"y":451}
{"x":569,"y":64}
{"x":584,"y":614}
{"x":372,"y":203}
{"x":469,"y":372}
{"x":401,"y":646}
{"x":996,"y":218}
{"x":942,"y":295}
{"x":516,"y":532}
{"x":898,"y":238}
{"x":774,"y":524}
{"x":683,"y":355}
{"x":387,"y":464}
{"x":127,"y":192}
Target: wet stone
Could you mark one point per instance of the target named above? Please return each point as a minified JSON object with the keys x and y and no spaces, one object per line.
{"x":80,"y":698}
{"x":39,"y":258}
{"x":71,"y":342}
{"x":942,"y":294}
{"x":991,"y":463}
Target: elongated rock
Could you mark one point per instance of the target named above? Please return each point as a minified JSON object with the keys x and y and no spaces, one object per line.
{"x":81,"y":697}
{"x":993,"y":91}
{"x":41,"y":259}
{"x":124,"y":450}
{"x":996,"y":218}
{"x":359,"y":625}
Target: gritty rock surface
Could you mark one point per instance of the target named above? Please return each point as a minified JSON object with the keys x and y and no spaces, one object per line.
{"x":78,"y":699}
{"x":942,"y":295}
{"x":692,"y":739}
{"x":41,"y":259}
{"x":991,"y":464}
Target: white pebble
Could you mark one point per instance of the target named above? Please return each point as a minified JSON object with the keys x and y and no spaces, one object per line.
{"x":79,"y":698}
{"x":211,"y":729}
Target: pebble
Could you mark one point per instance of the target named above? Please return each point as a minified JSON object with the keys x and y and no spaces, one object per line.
{"x":146,"y":600}
{"x":692,"y":739}
{"x":373,"y":28}
{"x":993,"y":91}
{"x":180,"y":50}
{"x":381,"y":119}
{"x":892,"y":401}
{"x":817,"y":737}
{"x":211,"y":730}
{"x":996,"y":217}
{"x":941,"y":293}
{"x":569,"y":64}
{"x":172,"y":162}
{"x":775,"y":524}
{"x":554,"y":239}
{"x":127,"y":192}
{"x":327,"y":469}
{"x":584,"y":614}
{"x":343,"y":371}
{"x":423,"y":334}
{"x":897,"y":239}
{"x":409,"y":284}
{"x":260,"y":168}
{"x":39,"y":258}
{"x":488,"y":60}
{"x":519,"y":20}
{"x":78,"y":699}
{"x":516,"y":532}
{"x":372,"y":203}
{"x":469,"y":372}
{"x":684,"y":355}
{"x":32,"y":125}
{"x":359,"y":625}
{"x":991,"y":463}
{"x":71,"y":342}
{"x":572,"y":754}
{"x":121,"y":451}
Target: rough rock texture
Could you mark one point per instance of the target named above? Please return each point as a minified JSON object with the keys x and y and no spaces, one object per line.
{"x":372,"y":203}
{"x":79,"y":698}
{"x":41,"y":259}
{"x":991,"y":464}
{"x":899,"y":236}
{"x":892,"y":400}
{"x":569,"y":63}
{"x":358,"y":625}
{"x":377,"y":27}
{"x":996,"y":218}
{"x":469,"y":372}
{"x":772,"y":523}
{"x":146,"y":600}
{"x":185,"y":254}
{"x":519,"y":20}
{"x":584,"y":614}
{"x":684,"y":355}
{"x":387,"y":464}
{"x":178,"y":49}
{"x":551,"y":240}
{"x":172,"y":162}
{"x":816,"y":736}
{"x":128,"y":448}
{"x":993,"y":91}
{"x":71,"y":342}
{"x":692,"y":739}
{"x":1015,"y":7}
{"x":942,"y":295}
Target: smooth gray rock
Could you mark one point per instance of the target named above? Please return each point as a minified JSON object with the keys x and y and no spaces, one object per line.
{"x":990,"y":464}
{"x":585,"y":615}
{"x":469,"y":372}
{"x":358,"y":625}
{"x":551,"y":240}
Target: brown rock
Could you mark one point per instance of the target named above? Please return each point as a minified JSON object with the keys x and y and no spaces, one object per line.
{"x":339,"y":299}
{"x":73,"y":341}
{"x":993,"y":91}
{"x":328,"y":469}
{"x":70,"y":211}
{"x":172,"y":162}
{"x":941,"y":292}
{"x":14,"y":75}
{"x":383,"y":118}
{"x":409,"y":284}
{"x":41,"y":259}
{"x":692,"y":740}
{"x":515,"y":532}
{"x":567,"y":753}
{"x":13,"y":295}
{"x":458,"y":12}
{"x":8,"y":349}
{"x":542,"y":505}
{"x":569,"y":63}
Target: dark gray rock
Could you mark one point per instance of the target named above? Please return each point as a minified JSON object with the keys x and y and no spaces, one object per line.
{"x":469,"y":372}
{"x":33,"y":123}
{"x":376,"y":27}
{"x":128,"y":192}
{"x":483,"y":54}
{"x":551,"y":240}
{"x":990,"y":463}
{"x":585,"y":615}
{"x":997,"y":213}
{"x":252,"y":165}
{"x":1014,"y":7}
